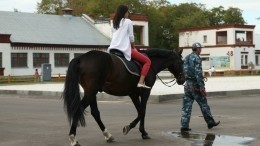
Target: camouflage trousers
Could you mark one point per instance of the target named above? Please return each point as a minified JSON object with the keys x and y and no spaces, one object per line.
{"x":189,"y":96}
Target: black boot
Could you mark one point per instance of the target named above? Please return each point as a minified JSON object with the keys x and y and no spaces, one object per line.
{"x":213,"y":124}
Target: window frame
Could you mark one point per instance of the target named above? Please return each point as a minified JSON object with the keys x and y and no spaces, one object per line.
{"x":61,"y":59}
{"x":38,"y":60}
{"x":19,"y":60}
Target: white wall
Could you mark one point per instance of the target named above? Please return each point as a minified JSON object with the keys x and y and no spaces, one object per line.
{"x":186,"y":39}
{"x":6,"y":56}
{"x":29,"y":70}
{"x":105,"y":28}
{"x":145,"y":31}
{"x":211,"y":53}
{"x":257,"y":41}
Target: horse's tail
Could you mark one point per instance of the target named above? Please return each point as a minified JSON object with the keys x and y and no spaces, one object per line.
{"x":71,"y":93}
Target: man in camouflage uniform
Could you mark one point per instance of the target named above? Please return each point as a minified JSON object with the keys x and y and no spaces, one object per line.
{"x":195,"y":90}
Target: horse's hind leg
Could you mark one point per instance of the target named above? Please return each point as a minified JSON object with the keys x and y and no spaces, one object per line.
{"x":96,"y":114}
{"x":84,"y":104}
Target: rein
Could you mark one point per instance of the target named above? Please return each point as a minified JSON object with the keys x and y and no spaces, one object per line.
{"x":166,"y":83}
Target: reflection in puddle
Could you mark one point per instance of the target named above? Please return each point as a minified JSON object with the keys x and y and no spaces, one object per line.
{"x":200,"y":139}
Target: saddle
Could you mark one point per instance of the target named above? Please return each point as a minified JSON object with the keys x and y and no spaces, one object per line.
{"x":132,"y":66}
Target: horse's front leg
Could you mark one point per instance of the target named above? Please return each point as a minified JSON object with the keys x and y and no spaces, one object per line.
{"x":96,"y":114}
{"x":144,"y":99}
{"x":137,"y":103}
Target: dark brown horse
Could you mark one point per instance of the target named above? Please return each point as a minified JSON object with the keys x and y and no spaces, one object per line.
{"x":98,"y":71}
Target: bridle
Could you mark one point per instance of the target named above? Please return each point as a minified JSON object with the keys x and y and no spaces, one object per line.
{"x":173,"y":81}
{"x":166,"y":83}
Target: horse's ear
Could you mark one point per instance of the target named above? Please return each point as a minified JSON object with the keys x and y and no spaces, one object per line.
{"x":180,"y":51}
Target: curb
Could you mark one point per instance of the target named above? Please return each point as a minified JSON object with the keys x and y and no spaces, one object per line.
{"x":168,"y":97}
{"x":106,"y":97}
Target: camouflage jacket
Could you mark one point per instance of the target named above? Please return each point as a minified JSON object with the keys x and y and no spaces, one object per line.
{"x":192,"y":68}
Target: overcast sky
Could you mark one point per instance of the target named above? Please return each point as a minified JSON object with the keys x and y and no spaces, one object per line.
{"x":251,"y":8}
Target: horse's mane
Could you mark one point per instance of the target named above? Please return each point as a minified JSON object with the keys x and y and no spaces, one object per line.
{"x":158,"y":52}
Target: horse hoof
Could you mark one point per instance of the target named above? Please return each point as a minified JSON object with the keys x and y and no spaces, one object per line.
{"x":76,"y":144}
{"x":146,"y":137}
{"x":126,"y":129}
{"x":73,"y":141}
{"x":110,"y":139}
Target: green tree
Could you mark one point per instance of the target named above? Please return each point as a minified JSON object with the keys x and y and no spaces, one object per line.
{"x":215,"y":16}
{"x":233,"y":16}
{"x":185,"y":15}
{"x":165,"y":19}
{"x":219,"y":15}
{"x":78,"y":6}
{"x":157,"y":4}
{"x":50,"y":7}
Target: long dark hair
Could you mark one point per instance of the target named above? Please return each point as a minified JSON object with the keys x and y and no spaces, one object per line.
{"x":120,"y":13}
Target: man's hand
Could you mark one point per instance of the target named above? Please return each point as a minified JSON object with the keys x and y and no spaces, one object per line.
{"x":203,"y":91}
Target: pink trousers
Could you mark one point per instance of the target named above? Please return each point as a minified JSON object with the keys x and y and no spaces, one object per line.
{"x":145,"y":61}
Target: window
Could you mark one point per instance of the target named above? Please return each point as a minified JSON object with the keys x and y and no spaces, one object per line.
{"x":1,"y":60}
{"x":244,"y":60}
{"x":222,"y":38}
{"x":61,"y":59}
{"x":257,"y":61}
{"x":19,"y":60}
{"x":40,"y":58}
{"x":205,"y":58}
{"x":138,"y":33}
{"x":244,"y":37}
{"x":205,"y":39}
{"x":77,"y":54}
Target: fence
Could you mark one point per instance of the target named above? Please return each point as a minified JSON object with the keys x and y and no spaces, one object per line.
{"x":234,"y":73}
{"x":29,"y":78}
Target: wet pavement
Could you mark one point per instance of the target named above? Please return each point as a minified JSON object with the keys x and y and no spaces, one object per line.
{"x":210,"y":139}
{"x":31,"y":121}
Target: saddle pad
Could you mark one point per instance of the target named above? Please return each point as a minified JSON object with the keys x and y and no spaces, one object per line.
{"x":132,"y":67}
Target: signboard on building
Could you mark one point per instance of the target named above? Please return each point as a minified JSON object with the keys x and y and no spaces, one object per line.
{"x":220,"y":62}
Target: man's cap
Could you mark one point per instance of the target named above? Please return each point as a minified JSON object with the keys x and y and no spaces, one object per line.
{"x":196,"y":45}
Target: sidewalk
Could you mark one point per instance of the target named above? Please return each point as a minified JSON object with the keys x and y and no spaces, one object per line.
{"x":215,"y":86}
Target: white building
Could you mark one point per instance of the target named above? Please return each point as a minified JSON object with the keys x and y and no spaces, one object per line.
{"x":28,"y":40}
{"x":227,"y":47}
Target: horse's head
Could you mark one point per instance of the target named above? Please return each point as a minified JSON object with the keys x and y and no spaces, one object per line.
{"x":176,"y":67}
{"x":162,"y":59}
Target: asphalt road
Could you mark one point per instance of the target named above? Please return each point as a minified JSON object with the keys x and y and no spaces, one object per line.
{"x":34,"y":121}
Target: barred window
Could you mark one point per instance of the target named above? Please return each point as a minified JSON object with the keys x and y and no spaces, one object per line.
{"x":77,"y":54}
{"x":40,"y":58}
{"x":205,"y":38}
{"x":18,"y":59}
{"x":1,"y":59}
{"x":257,"y":61}
{"x":61,"y":59}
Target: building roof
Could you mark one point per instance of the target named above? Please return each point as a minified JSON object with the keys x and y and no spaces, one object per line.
{"x":50,"y":29}
{"x":218,"y":27}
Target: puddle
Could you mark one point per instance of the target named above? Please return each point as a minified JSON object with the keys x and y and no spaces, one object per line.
{"x":202,"y":139}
